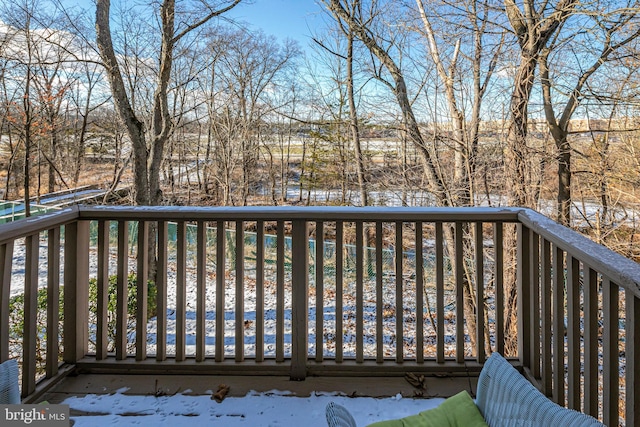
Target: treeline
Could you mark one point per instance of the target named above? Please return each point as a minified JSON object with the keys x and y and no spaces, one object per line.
{"x":448,"y":103}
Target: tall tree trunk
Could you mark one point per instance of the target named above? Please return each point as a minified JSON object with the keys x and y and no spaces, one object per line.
{"x":564,"y":182}
{"x":80,"y":149}
{"x":135,"y":128}
{"x":355,"y":129}
{"x":533,"y":29}
{"x":161,"y":125}
{"x":518,"y":155}
{"x":147,"y":163}
{"x":51,"y":184}
{"x":27,"y":139}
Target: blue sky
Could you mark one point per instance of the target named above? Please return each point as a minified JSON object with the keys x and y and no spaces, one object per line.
{"x":295,"y":19}
{"x":281,"y":18}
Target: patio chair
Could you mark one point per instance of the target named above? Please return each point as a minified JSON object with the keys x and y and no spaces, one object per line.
{"x":505,"y":398}
{"x":9,"y":392}
{"x":339,"y":416}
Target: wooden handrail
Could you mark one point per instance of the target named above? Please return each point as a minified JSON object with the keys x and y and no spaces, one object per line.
{"x":11,"y":231}
{"x":619,"y":269}
{"x":289,"y":213}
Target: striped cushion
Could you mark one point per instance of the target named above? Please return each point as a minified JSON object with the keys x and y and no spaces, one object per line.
{"x":507,"y":399}
{"x":338,"y":416}
{"x":9,"y":392}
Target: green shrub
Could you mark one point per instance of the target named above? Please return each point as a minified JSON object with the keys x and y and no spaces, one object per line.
{"x":16,"y":315}
{"x":132,"y":305}
{"x":16,"y":325}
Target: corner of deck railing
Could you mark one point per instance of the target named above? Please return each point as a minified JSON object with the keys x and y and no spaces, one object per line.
{"x":621,"y":270}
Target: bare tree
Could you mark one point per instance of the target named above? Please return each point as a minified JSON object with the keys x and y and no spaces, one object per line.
{"x":613,"y":27}
{"x":354,"y":124}
{"x":21,"y":16}
{"x":359,"y":25}
{"x":8,"y":97}
{"x":465,"y":124}
{"x":83,"y":104}
{"x":533,"y":24}
{"x":149,"y":142}
{"x":247,"y":73}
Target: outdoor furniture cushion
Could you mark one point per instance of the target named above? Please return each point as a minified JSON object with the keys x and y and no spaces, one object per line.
{"x":9,"y":392}
{"x":456,"y":411}
{"x":506,"y":398}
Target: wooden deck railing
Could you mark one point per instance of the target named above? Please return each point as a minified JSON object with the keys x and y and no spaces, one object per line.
{"x":321,"y":291}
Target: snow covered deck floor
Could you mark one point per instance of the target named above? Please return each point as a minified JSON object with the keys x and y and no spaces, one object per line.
{"x":97,"y":399}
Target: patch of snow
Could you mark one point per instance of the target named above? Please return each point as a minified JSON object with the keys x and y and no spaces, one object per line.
{"x":274,"y":408}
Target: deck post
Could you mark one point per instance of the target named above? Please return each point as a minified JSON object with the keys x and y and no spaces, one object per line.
{"x":300,"y":300}
{"x":142,"y":290}
{"x":76,"y":290}
{"x":30,"y":315}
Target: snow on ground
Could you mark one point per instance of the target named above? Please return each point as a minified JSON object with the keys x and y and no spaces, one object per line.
{"x":254,"y":410}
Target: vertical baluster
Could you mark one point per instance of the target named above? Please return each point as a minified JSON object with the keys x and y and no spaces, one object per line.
{"x":53,"y":300}
{"x":632,"y":358}
{"x":339,"y":290}
{"x":280,"y":261}
{"x":534,"y":307}
{"x":102,"y":302}
{"x":399,"y":294}
{"x":498,"y":272}
{"x":573,"y":332}
{"x":419,"y":294}
{"x":30,"y":315}
{"x":479,"y":261}
{"x":439,"y":293}
{"x":142,"y":290}
{"x":260,"y":291}
{"x":239,"y":337}
{"x":359,"y":292}
{"x":524,"y":295}
{"x":379,"y":299}
{"x":300,"y":299}
{"x":220,"y":288}
{"x":558,"y":325}
{"x":611,"y":353}
{"x":181,"y":290}
{"x":459,"y":262}
{"x":547,"y":368}
{"x":590,"y":341}
{"x":122,"y":291}
{"x":6,"y":261}
{"x":201,"y":290}
{"x":319,"y":282}
{"x":161,"y":292}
